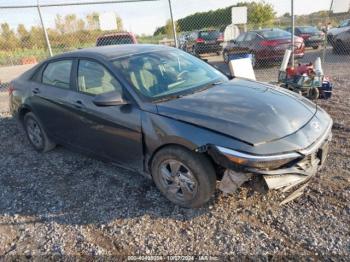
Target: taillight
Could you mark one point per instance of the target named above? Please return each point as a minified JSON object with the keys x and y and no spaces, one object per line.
{"x":269,"y":43}
{"x":200,"y":40}
{"x":10,"y":89}
{"x":305,"y":36}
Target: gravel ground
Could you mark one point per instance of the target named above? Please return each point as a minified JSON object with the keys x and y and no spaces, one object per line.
{"x":63,"y":204}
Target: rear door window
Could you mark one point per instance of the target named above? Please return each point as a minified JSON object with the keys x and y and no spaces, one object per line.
{"x":308,"y":30}
{"x":58,"y":74}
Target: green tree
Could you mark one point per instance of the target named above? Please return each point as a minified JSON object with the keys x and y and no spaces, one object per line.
{"x":9,"y":40}
{"x":59,"y":24}
{"x":120,"y":25}
{"x":24,"y":36}
{"x":260,"y":14}
{"x":169,"y":28}
{"x":92,"y":21}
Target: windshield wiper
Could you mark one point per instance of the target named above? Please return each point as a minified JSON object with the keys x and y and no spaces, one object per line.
{"x":176,"y":96}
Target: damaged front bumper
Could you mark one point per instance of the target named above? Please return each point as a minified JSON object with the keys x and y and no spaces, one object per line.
{"x":292,"y":176}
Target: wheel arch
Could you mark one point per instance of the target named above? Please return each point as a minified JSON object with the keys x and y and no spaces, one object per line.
{"x":22,"y":111}
{"x":187,"y":145}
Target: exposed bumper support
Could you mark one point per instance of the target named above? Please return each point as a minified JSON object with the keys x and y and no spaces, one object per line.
{"x":284,"y":178}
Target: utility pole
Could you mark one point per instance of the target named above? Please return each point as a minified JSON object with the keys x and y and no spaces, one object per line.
{"x":325,"y":42}
{"x":173,"y":23}
{"x":44,"y":28}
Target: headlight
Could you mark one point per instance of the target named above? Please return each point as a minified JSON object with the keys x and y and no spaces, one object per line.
{"x":258,"y":161}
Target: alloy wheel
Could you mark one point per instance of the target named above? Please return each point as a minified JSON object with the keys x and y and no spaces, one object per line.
{"x":178,"y":180}
{"x":34,"y":133}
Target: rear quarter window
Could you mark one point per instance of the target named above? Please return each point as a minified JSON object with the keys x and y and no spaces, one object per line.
{"x":209,"y":35}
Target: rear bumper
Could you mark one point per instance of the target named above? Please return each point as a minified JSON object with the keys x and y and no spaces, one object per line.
{"x":207,"y":48}
{"x":271,"y":55}
{"x":311,"y":43}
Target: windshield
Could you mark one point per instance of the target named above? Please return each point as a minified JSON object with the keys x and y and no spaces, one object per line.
{"x":306,"y":30}
{"x":209,"y":35}
{"x":161,"y":74}
{"x":344,"y":23}
{"x":275,"y":34}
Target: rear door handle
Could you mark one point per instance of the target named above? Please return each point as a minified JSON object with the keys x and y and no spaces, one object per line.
{"x":78,"y":104}
{"x":36,"y":90}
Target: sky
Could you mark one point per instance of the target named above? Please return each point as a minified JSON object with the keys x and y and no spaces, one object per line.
{"x":143,"y":17}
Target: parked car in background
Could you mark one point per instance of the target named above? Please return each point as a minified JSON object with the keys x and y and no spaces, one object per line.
{"x":172,"y":117}
{"x":343,"y":26}
{"x":265,"y":45}
{"x":311,"y":35}
{"x":341,"y":42}
{"x":121,"y":38}
{"x":204,"y":41}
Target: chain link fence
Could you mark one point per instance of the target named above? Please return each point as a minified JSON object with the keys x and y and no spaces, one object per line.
{"x":203,"y":28}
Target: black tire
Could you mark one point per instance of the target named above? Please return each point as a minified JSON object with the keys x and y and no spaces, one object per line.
{"x":42,"y":143}
{"x":225,"y":56}
{"x":338,"y":47}
{"x":315,"y":47}
{"x":194,"y":51}
{"x":314,"y":93}
{"x":201,"y":171}
{"x":255,"y":62}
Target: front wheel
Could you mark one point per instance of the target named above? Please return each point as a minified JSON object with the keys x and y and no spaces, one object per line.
{"x":184,"y":177}
{"x":254,"y":62}
{"x":226,"y":57}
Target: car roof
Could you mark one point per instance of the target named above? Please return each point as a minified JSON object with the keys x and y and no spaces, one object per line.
{"x":266,"y":29}
{"x":113,"y":51}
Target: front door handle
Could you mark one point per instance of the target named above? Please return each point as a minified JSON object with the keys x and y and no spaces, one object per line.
{"x":36,"y":90}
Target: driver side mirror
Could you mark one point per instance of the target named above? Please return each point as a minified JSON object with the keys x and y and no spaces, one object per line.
{"x":112,"y":98}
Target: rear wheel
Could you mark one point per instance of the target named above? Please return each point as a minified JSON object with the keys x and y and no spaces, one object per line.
{"x":194,"y":51}
{"x":186,"y":178}
{"x":254,"y":62}
{"x":36,"y":134}
{"x":315,"y":47}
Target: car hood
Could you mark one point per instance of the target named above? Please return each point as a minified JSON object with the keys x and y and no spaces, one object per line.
{"x":249,"y":111}
{"x":337,"y":30}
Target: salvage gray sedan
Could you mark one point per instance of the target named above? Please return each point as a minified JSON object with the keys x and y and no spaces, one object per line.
{"x":173,"y":118}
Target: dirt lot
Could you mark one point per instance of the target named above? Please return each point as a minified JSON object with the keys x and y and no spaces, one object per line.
{"x":65,"y":204}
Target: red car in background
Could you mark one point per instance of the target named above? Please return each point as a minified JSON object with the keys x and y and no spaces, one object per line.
{"x":311,"y":35}
{"x":121,"y":38}
{"x":265,"y":45}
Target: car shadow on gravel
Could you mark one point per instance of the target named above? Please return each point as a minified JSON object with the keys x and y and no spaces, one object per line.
{"x":68,"y":188}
